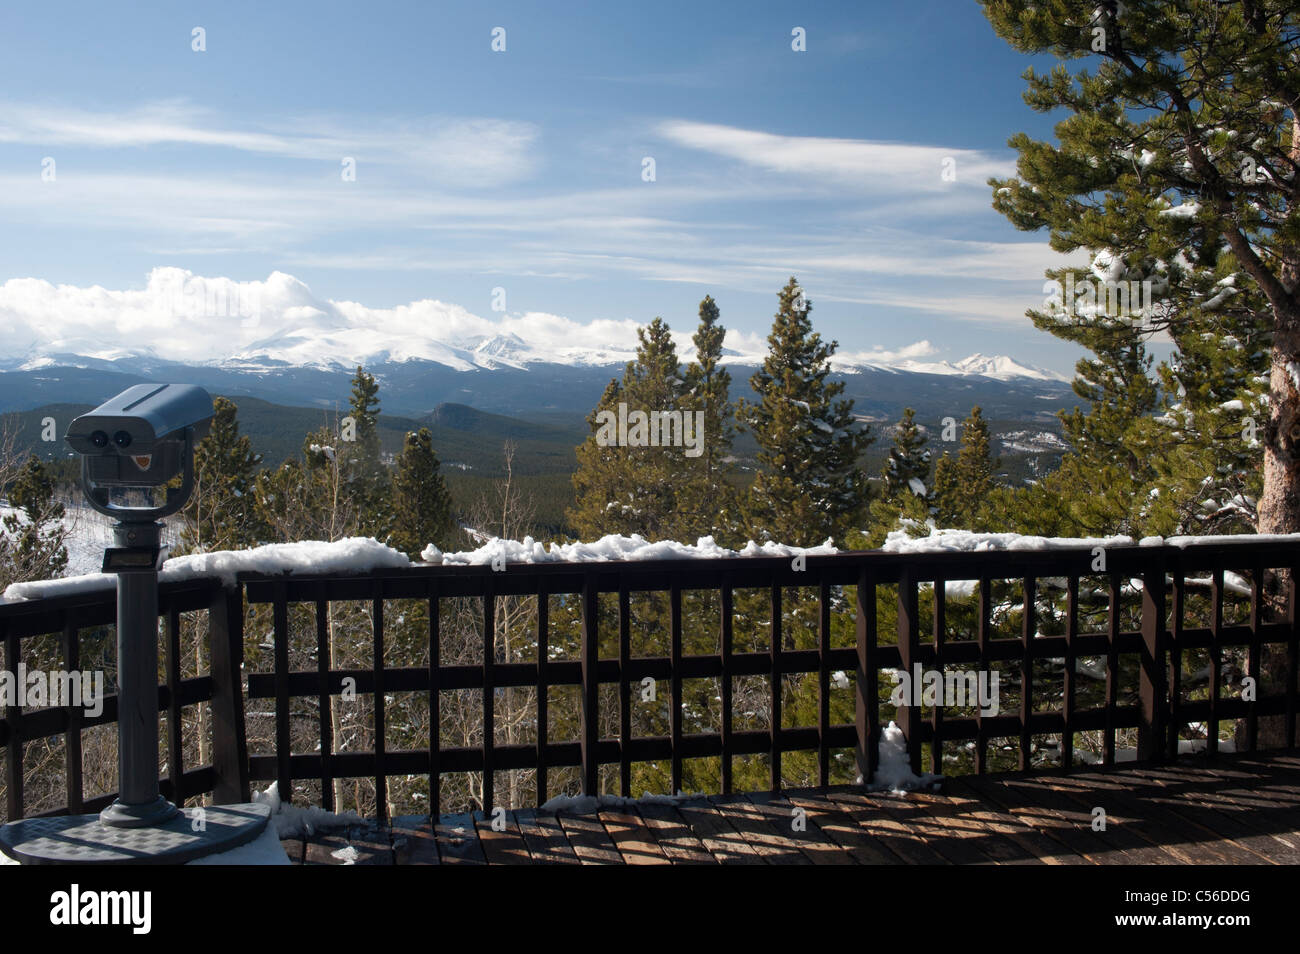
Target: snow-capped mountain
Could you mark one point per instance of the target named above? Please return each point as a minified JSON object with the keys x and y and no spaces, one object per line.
{"x":998,"y":366}
{"x":268,"y":326}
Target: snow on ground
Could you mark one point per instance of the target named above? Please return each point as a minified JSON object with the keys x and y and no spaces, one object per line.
{"x":297,"y":821}
{"x":265,"y":849}
{"x":612,"y":547}
{"x":893,"y":770}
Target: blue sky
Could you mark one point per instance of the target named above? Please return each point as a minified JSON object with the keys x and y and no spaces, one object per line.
{"x":522,"y":169}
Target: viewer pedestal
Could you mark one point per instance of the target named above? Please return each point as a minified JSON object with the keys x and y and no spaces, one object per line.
{"x":84,"y":840}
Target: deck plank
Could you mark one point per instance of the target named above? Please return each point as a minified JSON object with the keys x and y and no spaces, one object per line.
{"x":717,"y":835}
{"x":782,"y":815}
{"x":674,"y":835}
{"x":1120,"y":842}
{"x":768,"y":842}
{"x":1166,"y":829}
{"x":294,"y":848}
{"x":893,"y":824}
{"x":1203,"y":809}
{"x":633,"y":839}
{"x":458,"y":840}
{"x":506,"y":847}
{"x":970,"y":835}
{"x":414,"y":842}
{"x":591,"y":843}
{"x":364,"y":847}
{"x":545,"y":838}
{"x":838,"y":826}
{"x":1030,"y":842}
{"x":1055,"y":826}
{"x":1230,"y":810}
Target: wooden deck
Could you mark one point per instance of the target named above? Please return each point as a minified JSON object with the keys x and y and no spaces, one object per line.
{"x":1234,"y":810}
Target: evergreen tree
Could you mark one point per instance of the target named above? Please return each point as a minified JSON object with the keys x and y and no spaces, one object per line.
{"x":421,"y":504}
{"x":905,"y":479}
{"x":964,"y":485}
{"x":975,"y":462}
{"x":809,"y":484}
{"x":948,"y":508}
{"x":358,"y":451}
{"x":33,"y":541}
{"x":598,"y":475}
{"x":1193,"y":102}
{"x":633,"y":482}
{"x":220,"y":514}
{"x":708,"y":384}
{"x":315,"y":497}
{"x":907,"y":469}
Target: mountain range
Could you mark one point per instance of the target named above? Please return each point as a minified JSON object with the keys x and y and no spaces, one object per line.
{"x":416,"y":386}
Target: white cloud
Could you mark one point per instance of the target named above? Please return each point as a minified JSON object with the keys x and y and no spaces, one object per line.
{"x":185,"y":317}
{"x":454,"y":151}
{"x":181,"y":316}
{"x":863,"y":164}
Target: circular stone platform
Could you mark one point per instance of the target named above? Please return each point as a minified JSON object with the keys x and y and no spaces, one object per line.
{"x":84,"y":840}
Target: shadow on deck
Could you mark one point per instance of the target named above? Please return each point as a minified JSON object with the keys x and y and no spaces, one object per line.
{"x":1231,"y":810}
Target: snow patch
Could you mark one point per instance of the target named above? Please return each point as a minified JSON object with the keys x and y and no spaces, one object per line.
{"x":354,"y":554}
{"x":297,"y":821}
{"x":893,"y":769}
{"x":967,"y":541}
{"x":610,"y":548}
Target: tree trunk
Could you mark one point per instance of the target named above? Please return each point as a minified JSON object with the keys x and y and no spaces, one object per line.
{"x":1279,"y":504}
{"x":336,"y":722}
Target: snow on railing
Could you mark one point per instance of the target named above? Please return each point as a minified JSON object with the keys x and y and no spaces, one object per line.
{"x":363,"y":554}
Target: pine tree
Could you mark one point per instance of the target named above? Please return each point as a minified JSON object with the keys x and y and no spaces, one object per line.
{"x":948,"y":509}
{"x":964,"y":485}
{"x":1192,"y":102}
{"x":975,"y":462}
{"x":708,"y":384}
{"x":905,"y":482}
{"x":598,"y":477}
{"x":359,"y":455}
{"x":636,"y":486}
{"x":421,"y":503}
{"x":907,"y":469}
{"x":33,"y":542}
{"x":220,"y":514}
{"x":809,"y":484}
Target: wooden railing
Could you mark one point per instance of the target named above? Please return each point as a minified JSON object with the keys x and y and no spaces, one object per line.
{"x":74,"y":619}
{"x":856,"y":585}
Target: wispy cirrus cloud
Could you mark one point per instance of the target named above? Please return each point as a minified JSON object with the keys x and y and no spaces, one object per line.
{"x":457,"y":151}
{"x":868,"y":165}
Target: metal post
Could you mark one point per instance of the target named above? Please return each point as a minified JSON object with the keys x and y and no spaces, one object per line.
{"x":139,"y":801}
